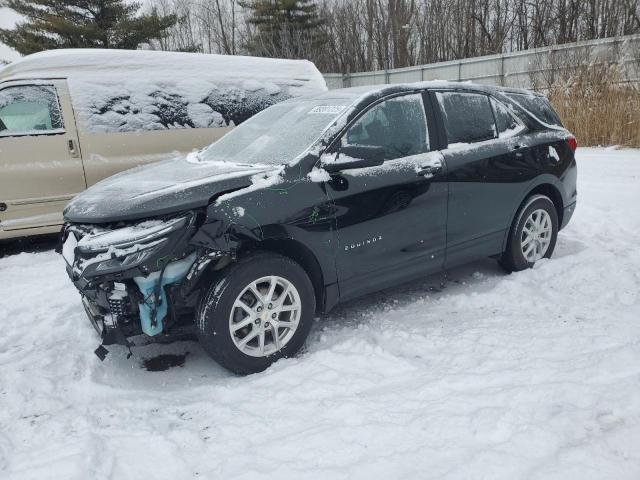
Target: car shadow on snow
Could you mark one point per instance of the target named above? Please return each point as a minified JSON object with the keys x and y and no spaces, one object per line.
{"x":479,"y":276}
{"x":185,"y":358}
{"x":567,"y":247}
{"x":181,"y":356}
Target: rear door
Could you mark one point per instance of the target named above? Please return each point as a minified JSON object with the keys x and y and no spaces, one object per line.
{"x":486,"y":162}
{"x":390,"y":219}
{"x":40,"y":159}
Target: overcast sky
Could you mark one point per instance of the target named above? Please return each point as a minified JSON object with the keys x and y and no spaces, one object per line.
{"x":8,"y":19}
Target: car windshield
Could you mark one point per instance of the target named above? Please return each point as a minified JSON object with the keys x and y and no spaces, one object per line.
{"x":278,"y":134}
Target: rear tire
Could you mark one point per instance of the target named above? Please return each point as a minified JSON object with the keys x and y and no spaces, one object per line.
{"x":533,"y":234}
{"x":255,"y":312}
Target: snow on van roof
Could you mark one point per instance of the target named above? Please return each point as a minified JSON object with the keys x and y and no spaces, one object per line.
{"x":67,"y":63}
{"x":133,"y":90}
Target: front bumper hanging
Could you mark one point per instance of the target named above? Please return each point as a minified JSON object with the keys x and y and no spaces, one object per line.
{"x":135,"y":288}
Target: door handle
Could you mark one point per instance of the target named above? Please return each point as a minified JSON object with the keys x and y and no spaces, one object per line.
{"x":430,"y":170}
{"x":72,"y":149}
{"x":518,"y":151}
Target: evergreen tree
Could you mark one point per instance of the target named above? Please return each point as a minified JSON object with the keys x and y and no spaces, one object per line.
{"x":52,"y":24}
{"x":284,"y":28}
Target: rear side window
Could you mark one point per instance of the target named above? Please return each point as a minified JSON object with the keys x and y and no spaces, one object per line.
{"x":538,"y":106}
{"x":506,"y":123}
{"x":468,"y":117}
{"x":29,"y":109}
{"x":398,"y":125}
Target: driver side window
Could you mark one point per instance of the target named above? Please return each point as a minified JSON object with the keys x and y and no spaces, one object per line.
{"x":29,"y":109}
{"x":398,"y":125}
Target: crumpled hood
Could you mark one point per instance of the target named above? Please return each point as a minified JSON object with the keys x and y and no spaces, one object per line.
{"x":159,"y":188}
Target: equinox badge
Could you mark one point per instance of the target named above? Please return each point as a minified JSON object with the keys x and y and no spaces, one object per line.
{"x":364,"y":243}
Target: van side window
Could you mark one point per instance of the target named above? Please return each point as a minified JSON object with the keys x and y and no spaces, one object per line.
{"x":399,"y":125}
{"x":29,"y":109}
{"x":506,"y":123}
{"x":467,"y":117}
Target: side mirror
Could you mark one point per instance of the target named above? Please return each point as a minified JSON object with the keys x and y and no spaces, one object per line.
{"x":356,"y":156}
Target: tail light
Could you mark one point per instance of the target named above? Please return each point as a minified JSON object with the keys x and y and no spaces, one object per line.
{"x":573,"y":143}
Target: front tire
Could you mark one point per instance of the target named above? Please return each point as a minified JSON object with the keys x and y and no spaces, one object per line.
{"x":256,"y":311}
{"x":533,"y":234}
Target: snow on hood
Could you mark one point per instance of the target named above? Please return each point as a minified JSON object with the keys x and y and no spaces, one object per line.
{"x":160,"y":188}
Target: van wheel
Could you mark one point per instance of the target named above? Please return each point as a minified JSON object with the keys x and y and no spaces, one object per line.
{"x":533,"y":234}
{"x":258,"y":310}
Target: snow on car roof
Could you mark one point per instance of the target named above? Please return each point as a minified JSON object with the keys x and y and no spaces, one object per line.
{"x":366,"y":90}
{"x":362,"y":95}
{"x":67,"y":63}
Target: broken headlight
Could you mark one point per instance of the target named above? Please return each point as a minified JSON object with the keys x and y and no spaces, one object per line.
{"x":106,"y":251}
{"x":124,"y":259}
{"x":131,"y":236}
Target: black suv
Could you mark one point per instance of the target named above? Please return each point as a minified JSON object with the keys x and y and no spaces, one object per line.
{"x":315,"y":201}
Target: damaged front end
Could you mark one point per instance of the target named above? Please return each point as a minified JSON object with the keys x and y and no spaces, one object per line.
{"x":138,"y":277}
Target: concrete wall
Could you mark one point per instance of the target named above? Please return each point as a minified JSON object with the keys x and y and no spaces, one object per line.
{"x":525,"y":69}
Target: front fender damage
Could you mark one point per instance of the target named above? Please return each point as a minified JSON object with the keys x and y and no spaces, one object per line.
{"x":224,"y":236}
{"x":160,"y":294}
{"x":213,"y":244}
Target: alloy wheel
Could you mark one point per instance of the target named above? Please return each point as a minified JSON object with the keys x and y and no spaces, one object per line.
{"x":536,"y":235}
{"x":265,"y":316}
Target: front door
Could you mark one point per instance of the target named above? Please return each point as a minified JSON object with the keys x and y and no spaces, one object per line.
{"x":390,"y":219}
{"x":40,"y":161}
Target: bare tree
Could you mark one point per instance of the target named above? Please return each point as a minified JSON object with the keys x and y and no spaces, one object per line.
{"x":362,"y":35}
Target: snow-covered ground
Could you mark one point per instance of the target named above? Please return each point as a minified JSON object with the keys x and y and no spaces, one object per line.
{"x":472,"y":374}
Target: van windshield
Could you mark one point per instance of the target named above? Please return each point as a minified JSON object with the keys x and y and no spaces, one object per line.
{"x":278,"y":134}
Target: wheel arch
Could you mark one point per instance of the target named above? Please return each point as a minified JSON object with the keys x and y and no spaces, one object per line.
{"x":553,"y":193}
{"x":545,"y":188}
{"x":297,"y":252}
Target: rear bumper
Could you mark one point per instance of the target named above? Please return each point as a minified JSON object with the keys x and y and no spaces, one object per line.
{"x":567,"y":214}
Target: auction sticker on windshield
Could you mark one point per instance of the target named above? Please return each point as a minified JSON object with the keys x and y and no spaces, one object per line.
{"x":331,"y":109}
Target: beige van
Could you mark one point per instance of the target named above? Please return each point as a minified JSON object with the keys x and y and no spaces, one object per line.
{"x":69,"y":118}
